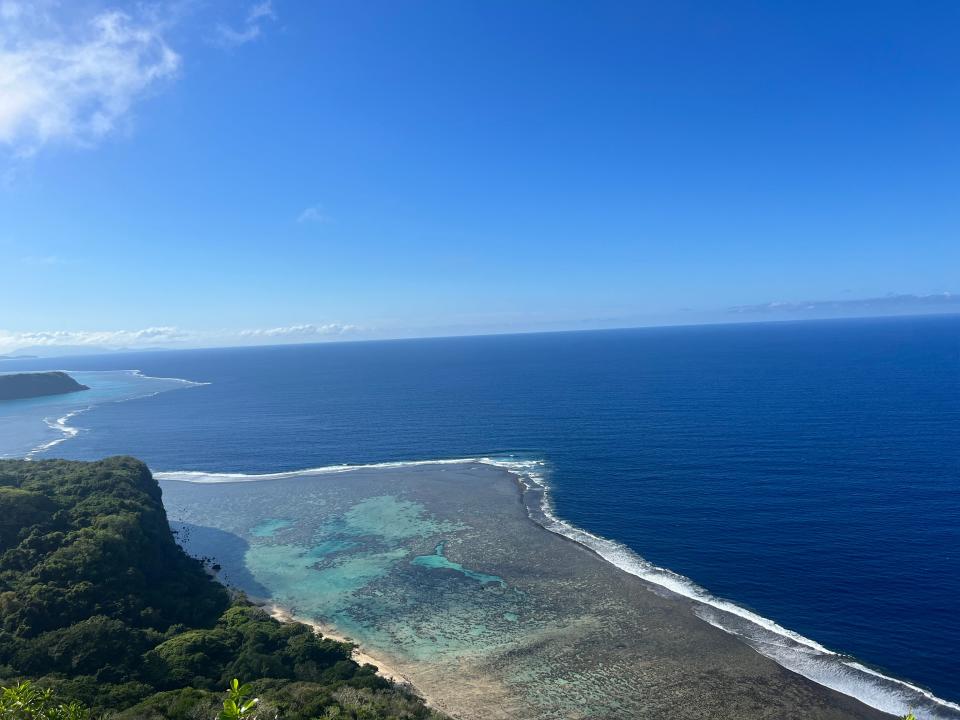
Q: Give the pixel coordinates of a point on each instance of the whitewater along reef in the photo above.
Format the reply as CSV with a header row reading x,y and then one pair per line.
x,y
438,569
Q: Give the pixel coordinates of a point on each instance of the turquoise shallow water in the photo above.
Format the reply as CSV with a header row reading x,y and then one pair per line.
x,y
358,554
438,561
439,569
35,426
270,527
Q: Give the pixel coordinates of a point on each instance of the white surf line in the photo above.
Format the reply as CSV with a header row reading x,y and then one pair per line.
x,y
69,431
139,374
59,424
134,372
789,649
211,478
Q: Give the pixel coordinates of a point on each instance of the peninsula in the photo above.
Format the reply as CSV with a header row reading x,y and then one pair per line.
x,y
17,386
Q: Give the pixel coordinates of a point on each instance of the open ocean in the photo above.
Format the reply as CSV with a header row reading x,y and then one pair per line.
x,y
808,472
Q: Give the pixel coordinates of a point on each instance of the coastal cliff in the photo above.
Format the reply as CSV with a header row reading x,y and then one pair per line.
x,y
100,604
19,386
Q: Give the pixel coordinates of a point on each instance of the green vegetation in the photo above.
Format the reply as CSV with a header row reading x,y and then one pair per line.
x,y
27,385
99,605
238,704
24,701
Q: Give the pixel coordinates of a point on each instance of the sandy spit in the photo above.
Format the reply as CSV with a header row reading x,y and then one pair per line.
x,y
385,669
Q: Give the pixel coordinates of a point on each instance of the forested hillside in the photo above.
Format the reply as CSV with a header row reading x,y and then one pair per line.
x,y
37,384
98,602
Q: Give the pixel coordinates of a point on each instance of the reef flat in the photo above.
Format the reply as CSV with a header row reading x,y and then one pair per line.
x,y
438,569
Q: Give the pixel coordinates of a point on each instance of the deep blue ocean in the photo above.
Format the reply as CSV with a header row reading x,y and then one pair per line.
x,y
808,471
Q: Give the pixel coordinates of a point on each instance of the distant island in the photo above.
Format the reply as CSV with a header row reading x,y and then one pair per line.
x,y
28,385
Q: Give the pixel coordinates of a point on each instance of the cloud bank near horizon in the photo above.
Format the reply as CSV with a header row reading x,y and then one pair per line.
x,y
171,337
894,303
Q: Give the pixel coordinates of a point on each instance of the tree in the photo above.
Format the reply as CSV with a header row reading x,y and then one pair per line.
x,y
23,701
237,706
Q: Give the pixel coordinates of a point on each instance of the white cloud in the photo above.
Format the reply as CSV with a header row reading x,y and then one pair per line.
x,y
166,336
894,303
75,82
312,214
102,338
261,10
301,331
251,28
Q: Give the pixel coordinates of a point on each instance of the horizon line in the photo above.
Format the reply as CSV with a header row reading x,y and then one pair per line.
x,y
10,356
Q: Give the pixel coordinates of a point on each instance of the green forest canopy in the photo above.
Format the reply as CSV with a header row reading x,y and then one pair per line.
x,y
99,603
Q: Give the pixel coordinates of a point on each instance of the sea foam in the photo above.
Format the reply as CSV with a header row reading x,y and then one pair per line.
x,y
62,424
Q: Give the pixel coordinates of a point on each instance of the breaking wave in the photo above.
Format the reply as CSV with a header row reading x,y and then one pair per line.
x,y
62,425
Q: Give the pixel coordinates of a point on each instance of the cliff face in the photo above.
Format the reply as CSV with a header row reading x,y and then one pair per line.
x,y
81,540
99,603
28,385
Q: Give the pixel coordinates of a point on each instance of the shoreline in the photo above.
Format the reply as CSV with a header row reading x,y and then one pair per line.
x,y
58,420
534,496
360,655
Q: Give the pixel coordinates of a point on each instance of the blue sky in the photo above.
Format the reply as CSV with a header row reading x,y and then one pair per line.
x,y
219,173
